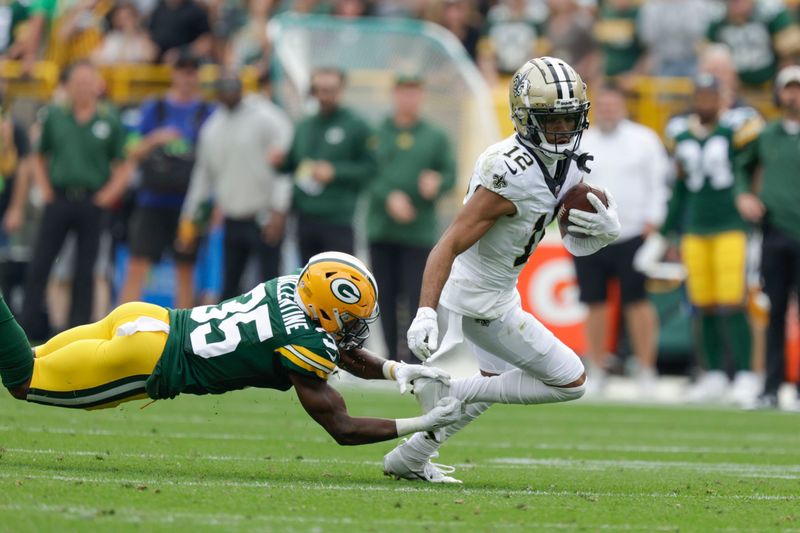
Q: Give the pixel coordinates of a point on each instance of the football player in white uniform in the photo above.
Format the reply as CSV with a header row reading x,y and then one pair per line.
x,y
469,285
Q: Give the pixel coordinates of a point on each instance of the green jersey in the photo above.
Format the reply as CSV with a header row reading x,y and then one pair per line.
x,y
253,340
777,152
616,32
705,192
753,44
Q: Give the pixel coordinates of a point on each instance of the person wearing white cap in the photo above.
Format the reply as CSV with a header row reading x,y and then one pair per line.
x,y
772,198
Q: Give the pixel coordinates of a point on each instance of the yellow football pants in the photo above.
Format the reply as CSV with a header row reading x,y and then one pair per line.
x,y
716,266
102,364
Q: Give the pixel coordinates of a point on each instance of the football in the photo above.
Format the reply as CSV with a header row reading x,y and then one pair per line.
x,y
575,198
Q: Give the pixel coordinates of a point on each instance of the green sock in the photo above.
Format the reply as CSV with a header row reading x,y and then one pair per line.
x,y
740,337
710,341
16,356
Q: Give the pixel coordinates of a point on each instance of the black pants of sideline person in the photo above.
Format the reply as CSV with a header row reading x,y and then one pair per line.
x,y
61,216
243,240
315,235
398,270
780,268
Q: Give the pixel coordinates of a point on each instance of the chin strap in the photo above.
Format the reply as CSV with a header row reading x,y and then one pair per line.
x,y
581,159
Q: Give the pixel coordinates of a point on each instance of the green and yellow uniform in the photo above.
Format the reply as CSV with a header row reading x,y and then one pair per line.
x,y
340,138
84,163
617,34
140,350
714,240
403,154
754,44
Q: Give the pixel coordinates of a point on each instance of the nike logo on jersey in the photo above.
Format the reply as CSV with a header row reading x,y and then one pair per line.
x,y
509,168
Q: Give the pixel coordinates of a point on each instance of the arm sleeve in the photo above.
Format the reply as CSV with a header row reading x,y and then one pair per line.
x,y
282,128
446,166
745,163
281,194
45,144
117,144
291,160
314,361
675,207
147,118
657,182
201,182
362,165
21,141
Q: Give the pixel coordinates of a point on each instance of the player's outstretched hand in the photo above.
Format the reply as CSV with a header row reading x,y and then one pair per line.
x,y
423,334
405,374
604,223
447,411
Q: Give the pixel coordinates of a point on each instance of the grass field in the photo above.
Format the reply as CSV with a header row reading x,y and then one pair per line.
x,y
253,460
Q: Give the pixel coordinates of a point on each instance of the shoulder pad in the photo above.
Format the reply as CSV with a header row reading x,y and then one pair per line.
x,y
676,126
766,10
496,170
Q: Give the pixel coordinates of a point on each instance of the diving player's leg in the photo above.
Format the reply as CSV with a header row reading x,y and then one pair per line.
x,y
545,369
106,370
16,356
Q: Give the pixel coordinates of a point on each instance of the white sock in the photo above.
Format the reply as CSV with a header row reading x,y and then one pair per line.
x,y
514,386
421,447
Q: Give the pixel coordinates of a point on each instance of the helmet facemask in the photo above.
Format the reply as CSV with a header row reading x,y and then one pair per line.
x,y
563,127
354,331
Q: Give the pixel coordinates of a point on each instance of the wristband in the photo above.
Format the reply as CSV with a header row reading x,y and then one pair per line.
x,y
406,426
389,368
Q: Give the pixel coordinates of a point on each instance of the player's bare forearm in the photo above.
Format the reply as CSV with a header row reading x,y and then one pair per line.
x,y
437,270
361,363
325,405
472,222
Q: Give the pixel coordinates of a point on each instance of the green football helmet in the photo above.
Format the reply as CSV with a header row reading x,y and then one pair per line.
x,y
544,92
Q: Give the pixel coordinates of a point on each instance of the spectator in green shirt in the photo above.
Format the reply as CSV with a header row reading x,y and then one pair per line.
x,y
774,202
415,168
80,170
760,33
331,163
616,33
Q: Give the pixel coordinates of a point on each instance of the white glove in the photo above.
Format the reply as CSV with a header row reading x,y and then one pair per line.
x,y
446,411
423,334
604,224
650,252
405,374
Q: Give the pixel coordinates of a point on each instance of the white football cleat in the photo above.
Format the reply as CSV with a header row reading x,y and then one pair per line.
x,y
710,388
428,392
746,387
397,464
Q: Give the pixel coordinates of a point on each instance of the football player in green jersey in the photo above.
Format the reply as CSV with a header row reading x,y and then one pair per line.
x,y
708,146
291,331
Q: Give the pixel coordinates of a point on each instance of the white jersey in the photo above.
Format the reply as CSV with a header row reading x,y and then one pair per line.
x,y
482,283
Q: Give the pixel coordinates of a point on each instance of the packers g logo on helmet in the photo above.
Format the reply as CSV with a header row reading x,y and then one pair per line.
x,y
345,290
340,293
543,92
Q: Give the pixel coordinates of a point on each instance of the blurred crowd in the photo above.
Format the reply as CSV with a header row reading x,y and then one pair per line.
x,y
186,170
599,37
